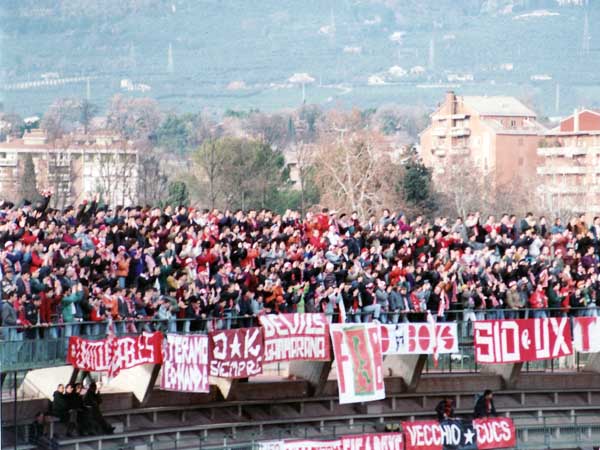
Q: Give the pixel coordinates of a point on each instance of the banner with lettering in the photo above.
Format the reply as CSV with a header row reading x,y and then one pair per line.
x,y
375,441
295,337
512,341
586,334
114,354
185,363
236,353
358,361
419,338
271,445
496,432
313,445
452,434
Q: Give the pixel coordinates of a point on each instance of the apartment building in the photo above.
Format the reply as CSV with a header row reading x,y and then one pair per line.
x,y
498,135
569,169
74,167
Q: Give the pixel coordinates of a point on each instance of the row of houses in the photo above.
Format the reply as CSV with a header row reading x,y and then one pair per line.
x,y
497,137
502,139
73,167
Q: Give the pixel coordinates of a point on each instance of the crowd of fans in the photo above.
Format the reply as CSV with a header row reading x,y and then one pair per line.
x,y
190,270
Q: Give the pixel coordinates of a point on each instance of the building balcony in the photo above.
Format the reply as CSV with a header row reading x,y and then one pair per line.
x,y
460,131
439,151
568,152
459,151
439,131
564,170
565,189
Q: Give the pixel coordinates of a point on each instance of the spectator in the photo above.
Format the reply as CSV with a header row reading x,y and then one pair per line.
x,y
192,270
59,404
484,406
38,433
92,400
445,409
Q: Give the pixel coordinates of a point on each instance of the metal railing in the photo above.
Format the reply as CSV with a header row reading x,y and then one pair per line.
x,y
584,430
46,346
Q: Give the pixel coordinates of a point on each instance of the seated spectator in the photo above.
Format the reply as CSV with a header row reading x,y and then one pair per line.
x,y
38,433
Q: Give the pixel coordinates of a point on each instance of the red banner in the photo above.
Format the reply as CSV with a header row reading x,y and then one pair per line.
x,y
586,334
456,434
496,432
295,337
114,354
419,338
313,445
185,364
381,441
358,361
376,441
236,353
427,435
511,341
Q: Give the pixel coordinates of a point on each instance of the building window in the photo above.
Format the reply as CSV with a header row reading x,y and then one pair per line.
x,y
513,123
2,155
521,161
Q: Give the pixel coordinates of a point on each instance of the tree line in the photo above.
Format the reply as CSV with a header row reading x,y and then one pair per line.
x,y
353,160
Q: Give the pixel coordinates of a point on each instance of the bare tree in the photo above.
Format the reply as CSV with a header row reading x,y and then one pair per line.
x,y
210,160
302,164
115,173
273,130
354,169
133,118
153,181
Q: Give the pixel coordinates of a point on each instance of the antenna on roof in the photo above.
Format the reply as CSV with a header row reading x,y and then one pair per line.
x,y
88,89
170,65
585,45
431,60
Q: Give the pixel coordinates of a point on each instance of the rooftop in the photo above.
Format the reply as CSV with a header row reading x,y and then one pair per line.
x,y
529,127
498,106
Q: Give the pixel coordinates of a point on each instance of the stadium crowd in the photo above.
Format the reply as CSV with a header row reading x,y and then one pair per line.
x,y
189,270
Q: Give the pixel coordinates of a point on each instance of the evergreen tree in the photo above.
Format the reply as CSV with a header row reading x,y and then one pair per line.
x,y
417,185
27,181
178,194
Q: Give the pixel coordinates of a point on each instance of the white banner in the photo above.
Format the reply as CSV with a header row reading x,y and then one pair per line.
x,y
358,361
271,445
295,337
313,445
185,363
419,338
586,334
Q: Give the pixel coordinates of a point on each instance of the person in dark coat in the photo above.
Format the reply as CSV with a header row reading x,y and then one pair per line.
x,y
38,433
445,409
59,404
92,401
72,400
484,407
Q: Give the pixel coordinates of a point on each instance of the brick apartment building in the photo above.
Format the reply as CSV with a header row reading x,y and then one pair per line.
x,y
498,135
569,170
73,167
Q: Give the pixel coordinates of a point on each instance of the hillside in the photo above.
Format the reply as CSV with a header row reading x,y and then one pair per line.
x,y
240,54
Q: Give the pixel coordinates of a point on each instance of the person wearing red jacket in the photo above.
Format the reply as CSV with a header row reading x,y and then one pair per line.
x,y
538,302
